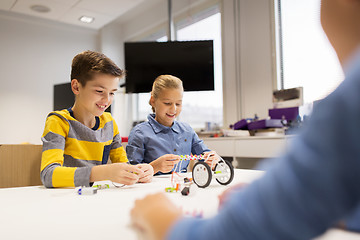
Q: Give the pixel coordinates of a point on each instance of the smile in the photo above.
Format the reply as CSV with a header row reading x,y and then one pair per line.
x,y
101,106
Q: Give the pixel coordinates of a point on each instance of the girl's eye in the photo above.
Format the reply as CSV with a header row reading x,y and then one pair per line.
x,y
98,91
178,104
112,94
167,103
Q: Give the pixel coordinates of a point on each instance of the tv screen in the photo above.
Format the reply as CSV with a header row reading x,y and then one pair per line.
x,y
64,97
191,61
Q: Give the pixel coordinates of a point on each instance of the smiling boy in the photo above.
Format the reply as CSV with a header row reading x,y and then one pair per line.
x,y
78,141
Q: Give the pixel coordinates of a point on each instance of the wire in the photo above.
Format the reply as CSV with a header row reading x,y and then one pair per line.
x,y
118,186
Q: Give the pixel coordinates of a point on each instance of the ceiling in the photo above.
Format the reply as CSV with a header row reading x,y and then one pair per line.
x,y
69,11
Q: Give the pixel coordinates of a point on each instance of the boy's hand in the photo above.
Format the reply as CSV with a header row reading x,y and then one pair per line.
x,y
211,158
148,173
122,173
165,163
154,215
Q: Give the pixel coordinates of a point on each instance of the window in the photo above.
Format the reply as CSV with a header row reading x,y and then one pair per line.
x,y
199,107
305,56
203,106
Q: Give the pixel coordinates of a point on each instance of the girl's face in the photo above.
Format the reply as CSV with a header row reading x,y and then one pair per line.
x,y
167,106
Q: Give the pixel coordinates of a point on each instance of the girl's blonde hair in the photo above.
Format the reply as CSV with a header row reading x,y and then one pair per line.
x,y
165,82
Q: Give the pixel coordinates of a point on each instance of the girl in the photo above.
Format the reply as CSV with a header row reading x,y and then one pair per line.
x,y
161,140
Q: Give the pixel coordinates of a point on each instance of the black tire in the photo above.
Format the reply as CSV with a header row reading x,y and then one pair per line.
x,y
229,169
201,174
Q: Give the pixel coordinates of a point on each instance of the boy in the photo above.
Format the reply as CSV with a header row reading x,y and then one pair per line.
x,y
78,141
311,187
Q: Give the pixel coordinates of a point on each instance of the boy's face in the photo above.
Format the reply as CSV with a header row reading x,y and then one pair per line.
x,y
329,20
98,94
167,106
340,21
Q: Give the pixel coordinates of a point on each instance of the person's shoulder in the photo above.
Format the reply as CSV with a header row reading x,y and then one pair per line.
x,y
140,127
59,115
58,122
141,132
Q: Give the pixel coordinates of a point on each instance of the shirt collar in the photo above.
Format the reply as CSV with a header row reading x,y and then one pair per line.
x,y
157,127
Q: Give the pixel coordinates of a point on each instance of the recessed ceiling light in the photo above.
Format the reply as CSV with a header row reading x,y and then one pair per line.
x,y
86,19
40,8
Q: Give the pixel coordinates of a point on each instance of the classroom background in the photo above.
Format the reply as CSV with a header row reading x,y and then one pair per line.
x,y
259,47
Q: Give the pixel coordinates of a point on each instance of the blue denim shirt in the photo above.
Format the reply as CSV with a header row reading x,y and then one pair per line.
x,y
150,140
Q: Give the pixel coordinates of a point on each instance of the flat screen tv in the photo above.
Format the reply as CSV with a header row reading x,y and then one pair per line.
x,y
191,61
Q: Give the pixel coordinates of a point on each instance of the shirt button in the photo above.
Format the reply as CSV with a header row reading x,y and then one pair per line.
x,y
174,149
185,140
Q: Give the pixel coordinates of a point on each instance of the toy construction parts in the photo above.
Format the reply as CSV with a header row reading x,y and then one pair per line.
x,y
179,183
202,173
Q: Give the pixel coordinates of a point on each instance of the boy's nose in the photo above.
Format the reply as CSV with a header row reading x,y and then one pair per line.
x,y
107,97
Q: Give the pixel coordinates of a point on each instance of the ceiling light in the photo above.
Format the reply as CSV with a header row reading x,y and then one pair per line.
x,y
86,19
40,8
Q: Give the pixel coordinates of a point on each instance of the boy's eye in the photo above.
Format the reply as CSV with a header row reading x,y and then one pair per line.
x,y
178,104
98,91
167,103
112,94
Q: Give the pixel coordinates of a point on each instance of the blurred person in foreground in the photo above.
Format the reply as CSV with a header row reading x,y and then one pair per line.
x,y
311,187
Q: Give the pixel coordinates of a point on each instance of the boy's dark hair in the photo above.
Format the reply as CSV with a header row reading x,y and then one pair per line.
x,y
86,64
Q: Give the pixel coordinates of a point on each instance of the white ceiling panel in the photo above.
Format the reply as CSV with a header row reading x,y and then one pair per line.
x,y
69,11
56,9
72,16
68,2
6,4
109,7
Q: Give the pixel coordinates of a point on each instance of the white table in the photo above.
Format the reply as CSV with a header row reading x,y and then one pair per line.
x,y
39,213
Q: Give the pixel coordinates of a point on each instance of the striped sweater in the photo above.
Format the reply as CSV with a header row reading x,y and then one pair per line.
x,y
70,149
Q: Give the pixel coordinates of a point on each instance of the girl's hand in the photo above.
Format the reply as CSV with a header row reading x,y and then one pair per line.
x,y
153,216
211,158
165,163
148,173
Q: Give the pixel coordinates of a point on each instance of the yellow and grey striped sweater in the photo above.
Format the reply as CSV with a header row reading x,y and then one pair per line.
x,y
70,149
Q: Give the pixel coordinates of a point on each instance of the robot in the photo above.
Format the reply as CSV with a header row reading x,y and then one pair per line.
x,y
202,173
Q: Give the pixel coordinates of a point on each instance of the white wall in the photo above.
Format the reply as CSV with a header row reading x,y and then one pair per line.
x,y
35,54
112,45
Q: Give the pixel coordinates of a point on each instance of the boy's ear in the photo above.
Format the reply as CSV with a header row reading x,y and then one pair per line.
x,y
75,85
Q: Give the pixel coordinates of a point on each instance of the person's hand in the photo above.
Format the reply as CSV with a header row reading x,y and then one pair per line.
x,y
148,173
211,158
122,173
165,163
154,215
224,196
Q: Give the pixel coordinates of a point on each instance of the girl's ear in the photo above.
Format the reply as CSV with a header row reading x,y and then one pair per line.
x,y
152,101
75,85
